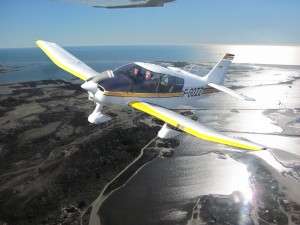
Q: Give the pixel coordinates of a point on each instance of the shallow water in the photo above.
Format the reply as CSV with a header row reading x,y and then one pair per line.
x,y
166,190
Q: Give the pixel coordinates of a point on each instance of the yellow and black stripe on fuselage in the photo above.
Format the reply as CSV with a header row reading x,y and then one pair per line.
x,y
143,95
209,91
168,100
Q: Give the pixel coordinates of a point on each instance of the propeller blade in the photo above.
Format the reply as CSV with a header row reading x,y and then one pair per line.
x,y
90,86
102,76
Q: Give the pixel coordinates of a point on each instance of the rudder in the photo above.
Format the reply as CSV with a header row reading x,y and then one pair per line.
x,y
218,73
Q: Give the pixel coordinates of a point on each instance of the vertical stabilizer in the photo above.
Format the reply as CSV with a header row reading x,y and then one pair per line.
x,y
218,73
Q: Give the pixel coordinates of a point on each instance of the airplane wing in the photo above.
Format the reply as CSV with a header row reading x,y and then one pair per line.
x,y
230,92
66,61
133,4
192,127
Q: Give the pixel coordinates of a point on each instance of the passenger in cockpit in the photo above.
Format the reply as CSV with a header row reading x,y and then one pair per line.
x,y
148,84
148,75
136,75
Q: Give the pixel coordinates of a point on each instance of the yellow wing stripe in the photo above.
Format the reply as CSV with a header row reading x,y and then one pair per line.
x,y
79,75
218,140
152,112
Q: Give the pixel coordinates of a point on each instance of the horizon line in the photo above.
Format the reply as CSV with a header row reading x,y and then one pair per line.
x,y
190,44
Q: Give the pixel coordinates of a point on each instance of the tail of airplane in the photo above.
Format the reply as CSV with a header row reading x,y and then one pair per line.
x,y
218,73
215,78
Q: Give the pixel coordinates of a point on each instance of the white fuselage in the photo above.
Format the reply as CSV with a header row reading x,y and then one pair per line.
x,y
192,90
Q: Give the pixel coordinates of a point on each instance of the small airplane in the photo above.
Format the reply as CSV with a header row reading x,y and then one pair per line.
x,y
153,89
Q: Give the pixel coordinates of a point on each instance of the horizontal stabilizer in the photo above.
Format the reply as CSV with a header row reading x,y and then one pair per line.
x,y
192,127
66,61
230,92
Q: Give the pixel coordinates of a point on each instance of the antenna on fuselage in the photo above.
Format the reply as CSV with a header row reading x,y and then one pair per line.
x,y
192,66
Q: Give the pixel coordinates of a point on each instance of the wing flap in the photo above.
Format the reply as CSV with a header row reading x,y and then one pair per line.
x,y
192,127
66,61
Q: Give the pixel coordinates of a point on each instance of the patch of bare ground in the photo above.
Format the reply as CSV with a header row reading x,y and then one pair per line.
x,y
53,163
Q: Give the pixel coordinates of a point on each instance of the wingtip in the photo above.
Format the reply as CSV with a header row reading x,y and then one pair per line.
x,y
38,42
260,147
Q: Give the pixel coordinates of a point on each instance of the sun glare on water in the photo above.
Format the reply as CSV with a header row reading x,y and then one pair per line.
x,y
263,54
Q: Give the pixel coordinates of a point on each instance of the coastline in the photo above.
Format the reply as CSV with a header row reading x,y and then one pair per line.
x,y
148,153
49,151
118,182
50,154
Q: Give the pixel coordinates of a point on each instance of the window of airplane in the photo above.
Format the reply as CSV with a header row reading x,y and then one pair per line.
x,y
126,70
147,81
160,83
170,84
132,71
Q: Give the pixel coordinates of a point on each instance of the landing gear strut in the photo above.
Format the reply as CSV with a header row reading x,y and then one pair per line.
x,y
97,117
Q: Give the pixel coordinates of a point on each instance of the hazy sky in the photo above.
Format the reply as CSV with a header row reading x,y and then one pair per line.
x,y
266,22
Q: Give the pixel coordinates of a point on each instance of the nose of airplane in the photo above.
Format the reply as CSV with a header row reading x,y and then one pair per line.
x,y
90,86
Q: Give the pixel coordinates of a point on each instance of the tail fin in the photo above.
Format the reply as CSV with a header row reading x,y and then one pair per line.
x,y
218,73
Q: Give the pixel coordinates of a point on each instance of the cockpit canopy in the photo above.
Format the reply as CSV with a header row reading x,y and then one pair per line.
x,y
137,78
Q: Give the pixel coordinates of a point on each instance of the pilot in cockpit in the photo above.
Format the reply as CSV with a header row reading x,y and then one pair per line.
x,y
148,75
136,75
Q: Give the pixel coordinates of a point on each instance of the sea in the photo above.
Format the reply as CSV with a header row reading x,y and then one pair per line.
x,y
167,189
31,64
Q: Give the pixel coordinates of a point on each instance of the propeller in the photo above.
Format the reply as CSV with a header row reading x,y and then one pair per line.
x,y
102,76
91,84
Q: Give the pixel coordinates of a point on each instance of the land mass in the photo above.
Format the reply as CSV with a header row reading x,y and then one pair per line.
x,y
53,162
